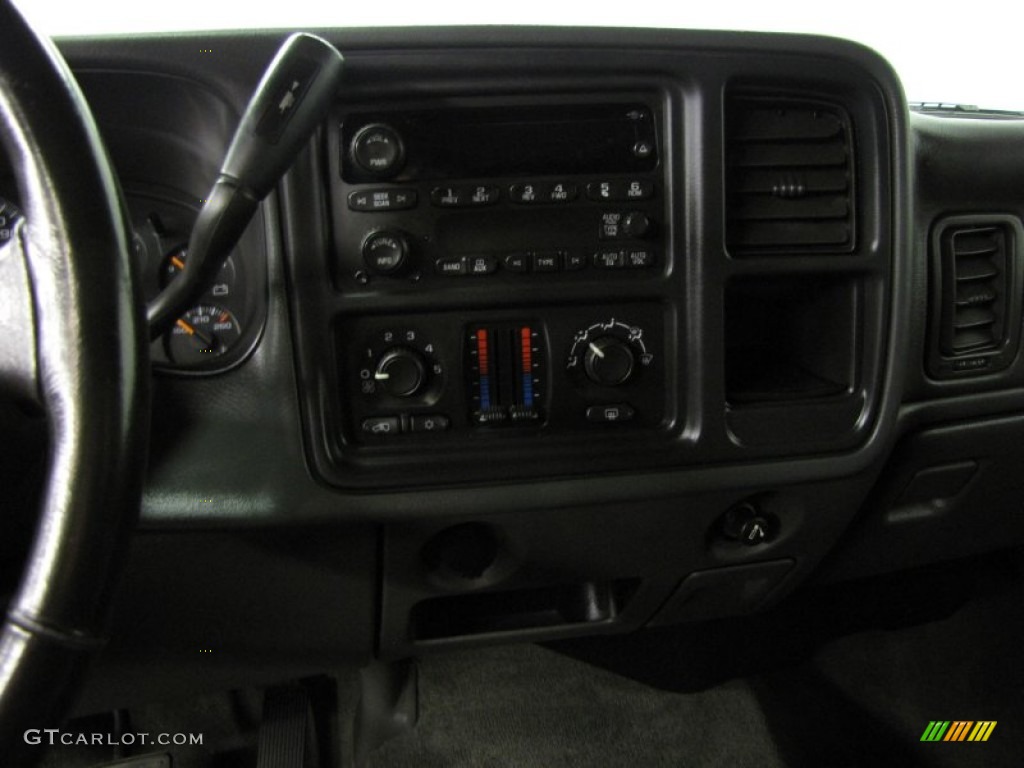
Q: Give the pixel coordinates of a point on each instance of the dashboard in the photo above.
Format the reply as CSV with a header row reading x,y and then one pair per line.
x,y
559,332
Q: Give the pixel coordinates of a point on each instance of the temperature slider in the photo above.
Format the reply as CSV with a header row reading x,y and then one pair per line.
x,y
505,364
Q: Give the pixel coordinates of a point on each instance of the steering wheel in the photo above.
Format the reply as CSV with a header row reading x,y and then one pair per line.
x,y
72,338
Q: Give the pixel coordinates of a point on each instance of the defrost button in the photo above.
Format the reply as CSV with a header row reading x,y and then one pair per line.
x,y
434,422
610,414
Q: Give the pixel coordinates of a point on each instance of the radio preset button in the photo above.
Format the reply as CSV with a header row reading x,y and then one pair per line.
x,y
529,193
562,193
640,189
632,189
454,266
482,195
604,190
534,193
377,149
448,197
385,199
464,196
547,261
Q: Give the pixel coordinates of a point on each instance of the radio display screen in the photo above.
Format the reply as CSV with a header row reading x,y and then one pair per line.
x,y
555,139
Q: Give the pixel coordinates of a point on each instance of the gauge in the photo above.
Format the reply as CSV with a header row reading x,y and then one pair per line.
x,y
9,215
204,332
174,262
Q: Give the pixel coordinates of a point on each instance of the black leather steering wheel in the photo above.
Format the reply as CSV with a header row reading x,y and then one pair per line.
x,y
73,338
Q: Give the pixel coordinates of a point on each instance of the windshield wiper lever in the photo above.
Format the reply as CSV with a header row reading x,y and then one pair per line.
x,y
290,101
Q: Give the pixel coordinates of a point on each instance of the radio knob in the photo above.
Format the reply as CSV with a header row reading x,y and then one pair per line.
x,y
400,372
636,224
386,252
378,149
609,361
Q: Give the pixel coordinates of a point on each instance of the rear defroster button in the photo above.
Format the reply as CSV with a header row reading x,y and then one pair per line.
x,y
610,414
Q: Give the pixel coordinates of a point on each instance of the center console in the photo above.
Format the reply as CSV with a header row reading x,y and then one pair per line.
x,y
564,276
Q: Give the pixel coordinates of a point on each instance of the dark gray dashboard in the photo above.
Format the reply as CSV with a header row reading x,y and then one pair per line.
x,y
782,371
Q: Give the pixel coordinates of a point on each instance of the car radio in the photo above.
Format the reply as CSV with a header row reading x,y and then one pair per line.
x,y
477,213
521,193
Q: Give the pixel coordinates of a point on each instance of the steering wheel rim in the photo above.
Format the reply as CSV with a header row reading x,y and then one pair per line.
x,y
89,369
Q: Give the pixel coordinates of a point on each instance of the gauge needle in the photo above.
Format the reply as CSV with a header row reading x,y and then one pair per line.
x,y
177,262
191,330
596,350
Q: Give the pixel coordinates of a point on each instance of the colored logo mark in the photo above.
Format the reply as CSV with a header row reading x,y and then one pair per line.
x,y
958,730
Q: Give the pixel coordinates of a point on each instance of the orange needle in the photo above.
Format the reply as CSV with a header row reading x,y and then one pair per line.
x,y
177,262
191,330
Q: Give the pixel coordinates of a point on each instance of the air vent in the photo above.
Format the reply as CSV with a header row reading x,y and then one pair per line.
x,y
976,289
789,183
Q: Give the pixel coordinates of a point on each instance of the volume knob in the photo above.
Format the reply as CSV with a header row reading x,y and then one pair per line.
x,y
609,361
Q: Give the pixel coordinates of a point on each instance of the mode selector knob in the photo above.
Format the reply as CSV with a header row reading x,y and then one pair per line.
x,y
400,372
609,361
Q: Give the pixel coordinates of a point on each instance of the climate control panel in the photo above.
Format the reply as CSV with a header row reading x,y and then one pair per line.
x,y
453,375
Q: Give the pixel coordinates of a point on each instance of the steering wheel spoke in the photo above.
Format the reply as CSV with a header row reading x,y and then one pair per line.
x,y
18,367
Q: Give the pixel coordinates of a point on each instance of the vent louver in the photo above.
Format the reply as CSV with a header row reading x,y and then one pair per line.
x,y
789,182
975,288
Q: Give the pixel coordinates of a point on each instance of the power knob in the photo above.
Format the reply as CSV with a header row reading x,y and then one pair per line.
x,y
400,372
609,361
378,150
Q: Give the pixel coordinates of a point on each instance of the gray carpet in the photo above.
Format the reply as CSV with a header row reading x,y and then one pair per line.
x,y
529,706
796,696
